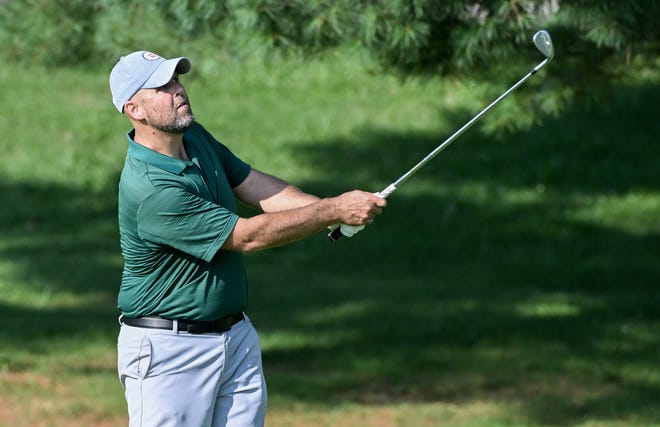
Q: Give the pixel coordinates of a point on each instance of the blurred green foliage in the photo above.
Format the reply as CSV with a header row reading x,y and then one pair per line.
x,y
411,34
597,42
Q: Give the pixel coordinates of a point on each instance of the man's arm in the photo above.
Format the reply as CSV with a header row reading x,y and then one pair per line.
x,y
290,214
270,194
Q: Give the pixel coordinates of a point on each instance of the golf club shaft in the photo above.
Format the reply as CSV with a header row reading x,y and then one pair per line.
x,y
456,134
336,233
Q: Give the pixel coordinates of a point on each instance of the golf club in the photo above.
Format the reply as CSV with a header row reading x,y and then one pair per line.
x,y
543,43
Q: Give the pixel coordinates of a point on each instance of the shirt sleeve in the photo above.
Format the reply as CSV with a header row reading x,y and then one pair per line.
x,y
183,220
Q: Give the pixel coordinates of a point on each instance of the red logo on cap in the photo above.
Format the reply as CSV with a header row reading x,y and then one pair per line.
x,y
149,56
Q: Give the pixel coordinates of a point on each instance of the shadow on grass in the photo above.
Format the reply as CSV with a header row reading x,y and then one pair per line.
x,y
460,293
60,263
457,293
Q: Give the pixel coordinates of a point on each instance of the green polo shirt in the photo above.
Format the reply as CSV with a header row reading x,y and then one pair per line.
x,y
174,216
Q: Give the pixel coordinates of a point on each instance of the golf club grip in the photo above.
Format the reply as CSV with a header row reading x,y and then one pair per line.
x,y
335,234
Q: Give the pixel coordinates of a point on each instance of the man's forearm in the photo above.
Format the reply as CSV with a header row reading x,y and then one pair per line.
x,y
281,227
271,194
290,197
290,214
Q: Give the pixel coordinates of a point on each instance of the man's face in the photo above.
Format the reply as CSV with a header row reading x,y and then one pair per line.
x,y
166,108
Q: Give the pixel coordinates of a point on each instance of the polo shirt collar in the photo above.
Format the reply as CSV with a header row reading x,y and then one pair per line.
x,y
147,155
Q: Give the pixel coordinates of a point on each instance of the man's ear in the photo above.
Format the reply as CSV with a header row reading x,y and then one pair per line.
x,y
133,110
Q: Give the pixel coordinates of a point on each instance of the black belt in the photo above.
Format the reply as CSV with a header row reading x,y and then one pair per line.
x,y
191,326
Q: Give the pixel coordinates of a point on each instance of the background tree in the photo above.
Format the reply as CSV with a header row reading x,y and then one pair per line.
x,y
598,42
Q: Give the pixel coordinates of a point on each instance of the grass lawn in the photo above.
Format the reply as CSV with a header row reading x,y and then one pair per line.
x,y
512,282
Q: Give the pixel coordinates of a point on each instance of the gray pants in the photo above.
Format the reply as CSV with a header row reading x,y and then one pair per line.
x,y
199,380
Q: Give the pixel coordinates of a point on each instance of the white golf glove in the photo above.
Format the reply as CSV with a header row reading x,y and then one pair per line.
x,y
347,230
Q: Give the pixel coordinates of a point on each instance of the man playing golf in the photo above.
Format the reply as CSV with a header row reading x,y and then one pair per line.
x,y
187,352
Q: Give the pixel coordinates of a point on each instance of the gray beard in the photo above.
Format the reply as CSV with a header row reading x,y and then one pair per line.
x,y
178,126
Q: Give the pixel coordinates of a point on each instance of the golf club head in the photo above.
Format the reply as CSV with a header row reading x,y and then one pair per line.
x,y
543,43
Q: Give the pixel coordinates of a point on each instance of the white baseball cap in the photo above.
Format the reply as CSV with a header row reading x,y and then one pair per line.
x,y
142,70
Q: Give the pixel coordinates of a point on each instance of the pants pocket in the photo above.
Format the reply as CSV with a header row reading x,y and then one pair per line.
x,y
133,357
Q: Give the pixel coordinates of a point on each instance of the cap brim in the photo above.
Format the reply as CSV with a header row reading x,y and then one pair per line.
x,y
166,70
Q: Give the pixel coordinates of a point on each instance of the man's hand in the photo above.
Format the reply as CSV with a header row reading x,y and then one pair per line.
x,y
358,207
361,207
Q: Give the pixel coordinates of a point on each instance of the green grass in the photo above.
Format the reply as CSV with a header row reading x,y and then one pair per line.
x,y
512,282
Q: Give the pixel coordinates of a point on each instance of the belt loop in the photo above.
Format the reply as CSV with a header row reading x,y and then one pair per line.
x,y
120,319
175,326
